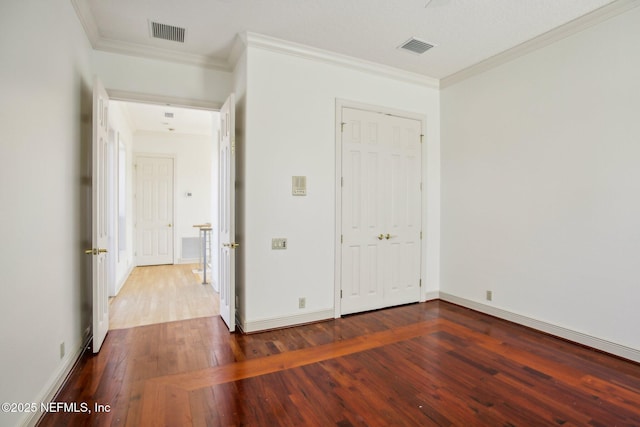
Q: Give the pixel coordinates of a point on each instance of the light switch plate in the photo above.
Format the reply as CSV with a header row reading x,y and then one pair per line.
x,y
299,185
279,243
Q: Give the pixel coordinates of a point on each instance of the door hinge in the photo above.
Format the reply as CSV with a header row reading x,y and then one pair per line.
x,y
420,234
420,282
341,181
341,238
421,139
420,186
340,293
342,126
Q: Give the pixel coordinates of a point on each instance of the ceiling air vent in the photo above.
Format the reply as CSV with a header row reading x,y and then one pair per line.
x,y
167,32
415,46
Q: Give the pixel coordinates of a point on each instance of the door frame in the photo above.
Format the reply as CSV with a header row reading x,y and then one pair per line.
x,y
135,156
127,96
343,103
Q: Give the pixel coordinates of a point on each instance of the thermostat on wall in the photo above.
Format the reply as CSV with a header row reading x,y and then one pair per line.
x,y
299,186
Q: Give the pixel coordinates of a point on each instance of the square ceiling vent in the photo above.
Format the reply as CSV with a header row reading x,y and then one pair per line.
x,y
416,46
167,32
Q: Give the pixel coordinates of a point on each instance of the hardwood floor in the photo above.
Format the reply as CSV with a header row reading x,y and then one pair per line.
x,y
162,293
423,364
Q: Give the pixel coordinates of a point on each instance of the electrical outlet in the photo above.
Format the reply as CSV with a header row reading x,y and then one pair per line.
x,y
62,350
302,302
489,295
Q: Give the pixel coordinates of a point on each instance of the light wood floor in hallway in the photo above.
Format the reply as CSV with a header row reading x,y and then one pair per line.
x,y
163,293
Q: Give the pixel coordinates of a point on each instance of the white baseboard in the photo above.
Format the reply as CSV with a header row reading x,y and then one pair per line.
x,y
55,383
430,296
124,278
568,334
282,322
188,261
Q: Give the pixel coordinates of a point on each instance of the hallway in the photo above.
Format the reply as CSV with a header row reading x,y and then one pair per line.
x,y
162,293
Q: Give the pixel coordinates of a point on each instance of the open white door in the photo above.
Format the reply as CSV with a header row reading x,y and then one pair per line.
x,y
226,218
99,215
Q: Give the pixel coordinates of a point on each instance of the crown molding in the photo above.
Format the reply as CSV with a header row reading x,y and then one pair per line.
x,y
153,52
249,39
572,27
98,42
86,19
238,48
307,52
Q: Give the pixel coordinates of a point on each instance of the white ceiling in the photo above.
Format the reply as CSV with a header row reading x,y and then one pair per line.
x,y
465,32
152,118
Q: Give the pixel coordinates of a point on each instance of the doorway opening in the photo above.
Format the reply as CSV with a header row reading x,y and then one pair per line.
x,y
164,181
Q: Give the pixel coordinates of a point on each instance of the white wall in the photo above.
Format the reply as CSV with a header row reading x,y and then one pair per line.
x,y
290,130
540,184
193,172
161,78
45,189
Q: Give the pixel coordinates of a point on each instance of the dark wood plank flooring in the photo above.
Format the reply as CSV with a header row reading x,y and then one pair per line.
x,y
418,365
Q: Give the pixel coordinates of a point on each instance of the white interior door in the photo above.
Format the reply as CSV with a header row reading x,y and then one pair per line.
x,y
403,210
226,217
381,210
362,208
99,215
154,210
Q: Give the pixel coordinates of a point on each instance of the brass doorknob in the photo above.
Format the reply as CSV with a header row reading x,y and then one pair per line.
x,y
388,236
169,225
380,236
95,251
231,245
